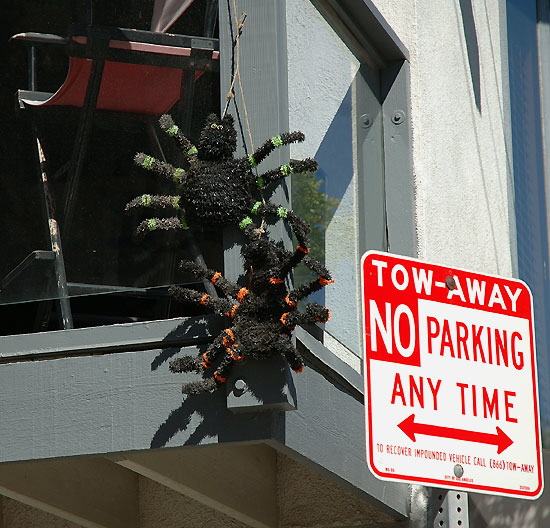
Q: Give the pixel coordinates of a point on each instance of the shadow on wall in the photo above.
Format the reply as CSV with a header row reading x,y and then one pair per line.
x,y
499,512
206,415
472,47
488,511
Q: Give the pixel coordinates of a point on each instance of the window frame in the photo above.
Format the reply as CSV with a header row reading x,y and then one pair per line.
x,y
352,21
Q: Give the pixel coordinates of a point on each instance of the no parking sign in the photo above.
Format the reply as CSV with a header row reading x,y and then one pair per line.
x,y
450,378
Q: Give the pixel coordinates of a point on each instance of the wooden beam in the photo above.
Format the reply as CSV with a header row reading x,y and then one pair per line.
x,y
238,480
91,492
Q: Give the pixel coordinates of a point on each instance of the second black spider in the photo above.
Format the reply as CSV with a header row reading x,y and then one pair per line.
x,y
261,315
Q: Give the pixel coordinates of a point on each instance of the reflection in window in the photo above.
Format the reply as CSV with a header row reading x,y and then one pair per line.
x,y
112,277
327,107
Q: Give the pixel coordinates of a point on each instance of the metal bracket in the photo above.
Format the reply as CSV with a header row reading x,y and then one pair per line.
x,y
450,508
263,385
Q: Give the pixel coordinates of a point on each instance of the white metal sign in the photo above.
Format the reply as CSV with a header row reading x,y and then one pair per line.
x,y
450,378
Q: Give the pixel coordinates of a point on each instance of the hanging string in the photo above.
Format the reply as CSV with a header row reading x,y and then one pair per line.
x,y
236,74
234,57
236,78
240,26
234,70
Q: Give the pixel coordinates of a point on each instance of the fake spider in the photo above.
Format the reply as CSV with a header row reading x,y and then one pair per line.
x,y
262,316
217,189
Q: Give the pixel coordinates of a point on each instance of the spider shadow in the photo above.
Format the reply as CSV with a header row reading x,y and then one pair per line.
x,y
197,417
193,332
198,413
227,414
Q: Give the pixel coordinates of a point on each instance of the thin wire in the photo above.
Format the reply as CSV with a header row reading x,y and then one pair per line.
x,y
234,59
231,94
236,77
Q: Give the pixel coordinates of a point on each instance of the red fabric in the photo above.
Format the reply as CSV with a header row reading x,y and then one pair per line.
x,y
125,87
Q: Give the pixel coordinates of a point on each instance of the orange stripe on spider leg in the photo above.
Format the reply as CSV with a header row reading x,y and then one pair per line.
x,y
243,292
227,341
290,302
299,369
302,249
221,379
204,299
284,318
215,277
275,280
206,363
324,282
233,311
231,352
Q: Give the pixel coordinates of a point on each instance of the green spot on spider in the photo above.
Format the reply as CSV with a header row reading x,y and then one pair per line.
x,y
176,202
146,200
252,161
178,173
193,150
277,141
245,222
286,170
173,130
255,208
147,162
183,223
151,224
261,183
282,212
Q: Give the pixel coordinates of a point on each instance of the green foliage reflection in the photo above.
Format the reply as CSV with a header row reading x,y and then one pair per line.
x,y
317,208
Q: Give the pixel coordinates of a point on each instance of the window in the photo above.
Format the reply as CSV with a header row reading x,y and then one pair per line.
x,y
338,104
111,276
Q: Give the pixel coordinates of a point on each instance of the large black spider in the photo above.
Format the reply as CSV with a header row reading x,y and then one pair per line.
x,y
217,189
262,315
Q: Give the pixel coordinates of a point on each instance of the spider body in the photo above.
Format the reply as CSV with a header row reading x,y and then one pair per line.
x,y
218,189
261,316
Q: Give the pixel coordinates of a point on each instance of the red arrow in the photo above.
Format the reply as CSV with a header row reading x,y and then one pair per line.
x,y
412,428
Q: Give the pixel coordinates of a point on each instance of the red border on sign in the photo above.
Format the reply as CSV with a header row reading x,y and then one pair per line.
x,y
409,297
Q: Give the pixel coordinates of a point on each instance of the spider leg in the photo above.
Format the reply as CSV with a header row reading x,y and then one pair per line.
x,y
154,201
201,362
284,346
186,364
167,124
292,261
314,313
299,227
224,368
221,306
317,267
160,224
196,387
306,289
270,145
215,277
293,357
192,364
167,171
307,165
